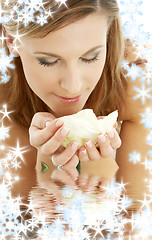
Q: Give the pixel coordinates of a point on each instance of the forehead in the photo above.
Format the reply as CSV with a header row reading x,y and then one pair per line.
x,y
83,35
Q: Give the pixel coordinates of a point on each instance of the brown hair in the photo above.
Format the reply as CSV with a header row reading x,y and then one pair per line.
x,y
111,88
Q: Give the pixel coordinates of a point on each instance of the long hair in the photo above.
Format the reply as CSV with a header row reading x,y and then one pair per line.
x,y
110,89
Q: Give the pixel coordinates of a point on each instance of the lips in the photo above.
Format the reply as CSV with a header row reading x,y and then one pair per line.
x,y
68,100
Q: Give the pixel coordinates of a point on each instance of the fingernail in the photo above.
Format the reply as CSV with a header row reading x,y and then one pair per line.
x,y
110,134
74,146
59,123
64,132
88,143
47,123
83,151
102,138
115,125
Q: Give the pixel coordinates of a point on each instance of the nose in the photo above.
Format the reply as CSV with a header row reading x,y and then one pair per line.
x,y
71,80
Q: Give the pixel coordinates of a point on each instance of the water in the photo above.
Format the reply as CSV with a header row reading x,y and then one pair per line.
x,y
103,201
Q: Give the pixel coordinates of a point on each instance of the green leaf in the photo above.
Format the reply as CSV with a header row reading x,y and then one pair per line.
x,y
78,167
44,167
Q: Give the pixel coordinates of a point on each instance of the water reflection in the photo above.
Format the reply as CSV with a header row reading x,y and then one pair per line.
x,y
100,205
76,199
101,202
52,183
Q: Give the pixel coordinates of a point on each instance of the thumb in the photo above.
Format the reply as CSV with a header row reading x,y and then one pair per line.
x,y
41,118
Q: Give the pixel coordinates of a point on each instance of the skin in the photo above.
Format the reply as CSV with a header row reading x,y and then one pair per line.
x,y
133,133
69,76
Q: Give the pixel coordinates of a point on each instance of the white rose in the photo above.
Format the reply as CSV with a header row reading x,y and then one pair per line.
x,y
85,125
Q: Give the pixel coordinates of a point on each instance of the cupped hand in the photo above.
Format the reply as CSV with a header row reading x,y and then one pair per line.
x,y
106,143
47,134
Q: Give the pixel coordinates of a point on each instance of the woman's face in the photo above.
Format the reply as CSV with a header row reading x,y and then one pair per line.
x,y
64,67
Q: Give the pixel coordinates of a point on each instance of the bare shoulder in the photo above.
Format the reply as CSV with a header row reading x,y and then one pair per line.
x,y
16,154
139,92
13,135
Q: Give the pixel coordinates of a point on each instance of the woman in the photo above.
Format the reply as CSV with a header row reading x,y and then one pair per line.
x,y
68,64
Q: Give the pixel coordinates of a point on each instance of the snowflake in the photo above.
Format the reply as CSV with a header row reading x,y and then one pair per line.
x,y
147,75
33,5
149,152
10,226
143,36
125,65
134,72
61,2
125,202
25,17
74,217
59,208
24,228
130,32
149,138
79,198
23,11
53,231
147,118
132,12
16,164
134,157
67,192
150,186
131,7
148,164
58,223
5,61
32,223
97,228
5,112
144,53
5,78
42,19
143,93
134,32
17,152
4,132
113,190
9,209
1,171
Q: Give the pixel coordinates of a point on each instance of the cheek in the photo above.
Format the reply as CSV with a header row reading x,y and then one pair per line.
x,y
34,74
96,71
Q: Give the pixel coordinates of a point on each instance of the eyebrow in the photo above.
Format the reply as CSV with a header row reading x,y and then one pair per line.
x,y
54,55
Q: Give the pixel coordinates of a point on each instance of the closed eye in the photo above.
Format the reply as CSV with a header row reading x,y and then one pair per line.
x,y
47,64
90,60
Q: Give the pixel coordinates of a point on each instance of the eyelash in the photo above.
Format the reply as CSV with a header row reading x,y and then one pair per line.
x,y
41,62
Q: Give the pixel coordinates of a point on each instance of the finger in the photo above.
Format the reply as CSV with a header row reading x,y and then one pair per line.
x,y
114,139
65,157
54,142
83,178
39,120
92,151
82,154
39,137
72,163
100,117
92,183
105,147
62,177
115,125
